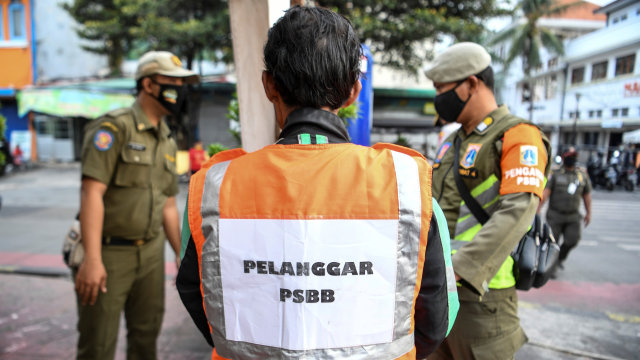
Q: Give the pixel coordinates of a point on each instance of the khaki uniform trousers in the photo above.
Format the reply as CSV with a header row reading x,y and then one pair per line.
x,y
567,231
135,284
484,330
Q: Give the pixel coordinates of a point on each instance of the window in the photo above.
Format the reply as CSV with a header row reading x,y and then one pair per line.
x,y
599,71
553,62
624,64
591,138
551,86
572,114
577,75
591,113
614,112
599,114
17,28
615,20
623,17
624,111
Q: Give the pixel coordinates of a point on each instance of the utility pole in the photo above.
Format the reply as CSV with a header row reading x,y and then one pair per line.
x,y
250,21
575,119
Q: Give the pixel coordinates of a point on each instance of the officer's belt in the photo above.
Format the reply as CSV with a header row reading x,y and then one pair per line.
x,y
118,241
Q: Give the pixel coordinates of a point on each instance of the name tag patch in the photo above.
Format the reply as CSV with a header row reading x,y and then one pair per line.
x,y
321,276
136,146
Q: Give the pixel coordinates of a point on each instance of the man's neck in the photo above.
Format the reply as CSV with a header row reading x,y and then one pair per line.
x,y
151,108
483,105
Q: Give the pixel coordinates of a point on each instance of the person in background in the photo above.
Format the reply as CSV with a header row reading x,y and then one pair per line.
x,y
197,156
501,160
128,207
315,247
565,190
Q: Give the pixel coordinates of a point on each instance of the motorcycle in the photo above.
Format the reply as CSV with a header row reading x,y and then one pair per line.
x,y
606,176
628,178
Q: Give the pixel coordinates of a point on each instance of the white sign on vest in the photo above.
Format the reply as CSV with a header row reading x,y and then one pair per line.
x,y
309,284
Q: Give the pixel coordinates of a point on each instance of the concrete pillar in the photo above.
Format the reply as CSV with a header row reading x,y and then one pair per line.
x,y
250,22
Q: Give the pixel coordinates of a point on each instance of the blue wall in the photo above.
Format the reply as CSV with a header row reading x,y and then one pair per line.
x,y
9,109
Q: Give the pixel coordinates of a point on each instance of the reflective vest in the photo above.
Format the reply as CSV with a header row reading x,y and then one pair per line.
x,y
312,251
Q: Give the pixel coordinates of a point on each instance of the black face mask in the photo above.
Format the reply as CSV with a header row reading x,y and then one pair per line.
x,y
570,161
449,105
171,97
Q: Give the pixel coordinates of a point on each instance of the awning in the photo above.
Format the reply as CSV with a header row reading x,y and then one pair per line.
x,y
631,137
89,100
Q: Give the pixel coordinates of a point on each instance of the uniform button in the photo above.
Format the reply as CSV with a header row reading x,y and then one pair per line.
x,y
136,158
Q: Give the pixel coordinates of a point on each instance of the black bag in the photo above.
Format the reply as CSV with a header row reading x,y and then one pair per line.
x,y
536,255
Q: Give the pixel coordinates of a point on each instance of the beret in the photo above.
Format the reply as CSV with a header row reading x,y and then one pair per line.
x,y
458,62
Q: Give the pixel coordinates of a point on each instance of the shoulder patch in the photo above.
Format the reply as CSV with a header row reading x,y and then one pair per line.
x,y
470,155
485,124
443,150
103,140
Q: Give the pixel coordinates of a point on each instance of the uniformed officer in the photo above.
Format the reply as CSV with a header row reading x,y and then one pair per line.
x,y
567,186
502,161
128,194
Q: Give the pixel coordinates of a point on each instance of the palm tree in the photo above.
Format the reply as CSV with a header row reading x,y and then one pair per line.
x,y
528,38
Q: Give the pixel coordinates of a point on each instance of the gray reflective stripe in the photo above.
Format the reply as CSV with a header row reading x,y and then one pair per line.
x,y
210,260
457,244
483,198
408,245
452,287
489,196
410,209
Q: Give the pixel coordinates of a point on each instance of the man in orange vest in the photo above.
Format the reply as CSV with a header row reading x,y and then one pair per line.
x,y
315,247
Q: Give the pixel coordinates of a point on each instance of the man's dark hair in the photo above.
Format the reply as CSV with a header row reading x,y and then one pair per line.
x,y
139,86
486,76
313,55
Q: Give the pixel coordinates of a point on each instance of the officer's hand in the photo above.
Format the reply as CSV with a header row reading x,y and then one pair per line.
x,y
91,277
587,219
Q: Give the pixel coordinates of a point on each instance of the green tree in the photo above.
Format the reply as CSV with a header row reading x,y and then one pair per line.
x,y
398,29
108,24
528,38
188,28
191,29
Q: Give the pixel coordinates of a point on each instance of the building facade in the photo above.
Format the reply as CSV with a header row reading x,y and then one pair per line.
x,y
587,97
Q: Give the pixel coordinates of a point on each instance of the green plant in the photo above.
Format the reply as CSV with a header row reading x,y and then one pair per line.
x,y
233,114
402,141
215,148
348,113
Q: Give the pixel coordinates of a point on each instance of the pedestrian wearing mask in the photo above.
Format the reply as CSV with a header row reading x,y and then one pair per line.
x,y
567,187
128,197
501,160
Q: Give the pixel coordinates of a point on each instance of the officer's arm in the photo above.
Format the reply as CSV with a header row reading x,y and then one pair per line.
x,y
478,261
91,275
545,197
188,284
432,305
171,224
521,186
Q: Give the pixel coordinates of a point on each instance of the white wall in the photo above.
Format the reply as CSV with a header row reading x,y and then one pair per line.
x,y
59,53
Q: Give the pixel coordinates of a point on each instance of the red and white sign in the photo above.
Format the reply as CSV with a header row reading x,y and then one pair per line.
x,y
632,89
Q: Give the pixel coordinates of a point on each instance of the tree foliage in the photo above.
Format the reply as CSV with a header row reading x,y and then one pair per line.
x,y
527,38
190,29
398,30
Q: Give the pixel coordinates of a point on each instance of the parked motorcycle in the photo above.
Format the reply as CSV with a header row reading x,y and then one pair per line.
x,y
628,178
604,176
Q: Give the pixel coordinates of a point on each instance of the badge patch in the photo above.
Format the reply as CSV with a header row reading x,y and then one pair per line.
x,y
528,155
103,140
136,146
470,155
443,150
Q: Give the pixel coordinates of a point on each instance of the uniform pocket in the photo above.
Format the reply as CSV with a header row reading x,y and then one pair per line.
x,y
500,348
134,168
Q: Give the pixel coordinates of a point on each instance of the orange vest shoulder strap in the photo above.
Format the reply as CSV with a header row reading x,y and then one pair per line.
x,y
398,148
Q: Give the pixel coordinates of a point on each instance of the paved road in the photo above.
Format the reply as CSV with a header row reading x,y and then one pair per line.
x,y
591,311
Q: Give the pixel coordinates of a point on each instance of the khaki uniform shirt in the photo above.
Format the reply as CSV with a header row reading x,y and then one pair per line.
x,y
137,162
481,156
567,190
